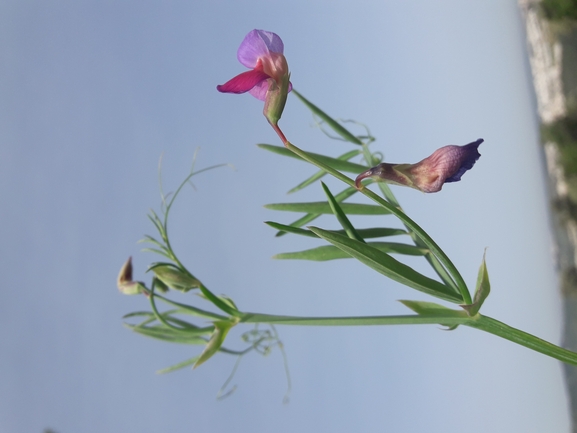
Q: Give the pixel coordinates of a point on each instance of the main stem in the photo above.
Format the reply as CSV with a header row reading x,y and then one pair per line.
x,y
483,323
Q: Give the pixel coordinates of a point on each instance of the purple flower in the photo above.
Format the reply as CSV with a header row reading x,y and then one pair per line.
x,y
446,164
268,79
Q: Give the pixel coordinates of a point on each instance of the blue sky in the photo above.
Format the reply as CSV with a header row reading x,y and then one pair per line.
x,y
92,93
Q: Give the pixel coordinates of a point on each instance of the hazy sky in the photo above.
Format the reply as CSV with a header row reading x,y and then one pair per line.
x,y
92,93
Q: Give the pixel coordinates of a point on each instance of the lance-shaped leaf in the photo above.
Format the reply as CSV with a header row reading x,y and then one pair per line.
x,y
167,316
337,163
161,332
228,301
319,174
388,266
221,328
335,126
178,366
174,277
331,252
323,207
423,308
343,195
153,217
430,309
376,232
223,303
482,290
190,310
341,216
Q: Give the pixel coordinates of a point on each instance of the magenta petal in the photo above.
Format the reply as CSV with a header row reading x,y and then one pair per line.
x,y
257,44
259,91
466,156
243,82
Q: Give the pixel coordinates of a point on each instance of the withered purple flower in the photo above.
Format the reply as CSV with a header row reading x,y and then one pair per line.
x,y
447,164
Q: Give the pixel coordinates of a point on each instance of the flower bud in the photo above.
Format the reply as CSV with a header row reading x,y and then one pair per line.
x,y
124,280
175,278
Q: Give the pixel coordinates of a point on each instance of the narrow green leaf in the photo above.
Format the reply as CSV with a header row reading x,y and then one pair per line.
x,y
157,223
178,311
189,330
341,216
178,366
379,232
331,252
318,254
152,240
218,302
323,207
388,266
319,174
300,222
336,163
337,127
190,310
221,328
482,290
157,251
228,301
431,309
179,322
343,195
167,315
138,313
147,322
291,229
168,334
376,232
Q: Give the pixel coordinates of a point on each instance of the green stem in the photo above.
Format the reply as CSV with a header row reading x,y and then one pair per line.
x,y
159,316
356,321
480,322
413,226
507,332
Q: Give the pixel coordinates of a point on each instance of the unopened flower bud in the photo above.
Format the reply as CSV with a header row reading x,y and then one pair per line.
x,y
124,280
175,278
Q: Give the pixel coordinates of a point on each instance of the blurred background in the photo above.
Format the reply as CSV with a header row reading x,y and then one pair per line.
x,y
93,93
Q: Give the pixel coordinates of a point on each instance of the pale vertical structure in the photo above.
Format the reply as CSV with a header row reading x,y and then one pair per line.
x,y
546,56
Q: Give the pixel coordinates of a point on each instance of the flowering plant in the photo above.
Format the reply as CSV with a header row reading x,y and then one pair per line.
x,y
268,80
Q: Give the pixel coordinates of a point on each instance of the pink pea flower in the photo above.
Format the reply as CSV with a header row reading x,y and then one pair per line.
x,y
446,164
268,79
